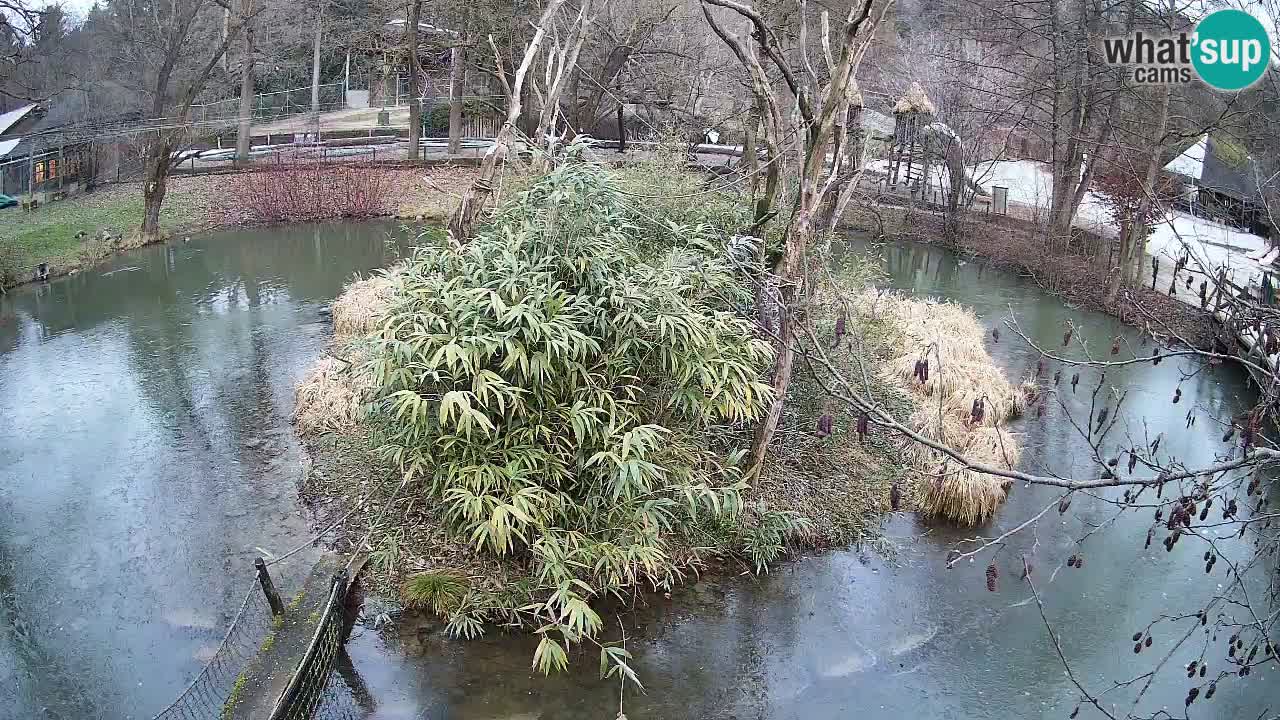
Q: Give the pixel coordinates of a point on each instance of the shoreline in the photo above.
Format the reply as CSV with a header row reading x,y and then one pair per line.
x,y
202,204
1078,280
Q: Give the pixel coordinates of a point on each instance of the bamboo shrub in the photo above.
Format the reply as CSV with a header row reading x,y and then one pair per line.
x,y
558,396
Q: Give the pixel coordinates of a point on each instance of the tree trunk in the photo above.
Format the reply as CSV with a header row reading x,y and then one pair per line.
x,y
790,275
457,82
477,197
789,278
154,186
1115,275
415,97
750,161
244,128
315,72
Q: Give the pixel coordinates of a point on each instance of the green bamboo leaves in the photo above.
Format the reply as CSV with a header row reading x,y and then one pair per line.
x,y
555,383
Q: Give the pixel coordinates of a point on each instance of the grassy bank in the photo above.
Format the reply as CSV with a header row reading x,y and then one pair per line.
x,y
80,231
77,233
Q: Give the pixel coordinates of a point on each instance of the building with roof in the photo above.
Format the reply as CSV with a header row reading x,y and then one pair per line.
x,y
37,159
1219,182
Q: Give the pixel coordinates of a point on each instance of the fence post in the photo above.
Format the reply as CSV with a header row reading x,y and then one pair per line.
x,y
268,587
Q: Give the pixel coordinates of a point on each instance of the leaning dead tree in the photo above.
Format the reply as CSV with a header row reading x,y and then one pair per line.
x,y
482,189
822,101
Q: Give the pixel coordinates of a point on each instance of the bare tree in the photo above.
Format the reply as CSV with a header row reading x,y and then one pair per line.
x,y
481,191
822,103
171,49
315,69
457,86
560,63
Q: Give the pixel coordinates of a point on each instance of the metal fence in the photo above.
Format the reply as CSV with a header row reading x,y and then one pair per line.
x,y
281,103
319,688
214,691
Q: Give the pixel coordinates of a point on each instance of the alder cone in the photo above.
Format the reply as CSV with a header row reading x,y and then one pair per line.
x,y
992,574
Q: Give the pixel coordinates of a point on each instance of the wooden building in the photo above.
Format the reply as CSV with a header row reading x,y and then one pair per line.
x,y
38,159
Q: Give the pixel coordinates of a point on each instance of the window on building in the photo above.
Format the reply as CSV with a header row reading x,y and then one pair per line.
x,y
40,171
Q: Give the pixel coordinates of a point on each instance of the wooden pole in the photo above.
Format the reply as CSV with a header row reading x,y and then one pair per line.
x,y
269,587
622,131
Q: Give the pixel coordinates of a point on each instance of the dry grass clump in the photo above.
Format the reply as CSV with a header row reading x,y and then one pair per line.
x,y
331,397
961,372
359,309
914,100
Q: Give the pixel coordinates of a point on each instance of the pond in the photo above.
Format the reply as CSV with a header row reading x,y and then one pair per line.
x,y
146,457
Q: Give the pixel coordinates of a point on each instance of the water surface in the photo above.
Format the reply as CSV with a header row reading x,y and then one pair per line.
x,y
146,457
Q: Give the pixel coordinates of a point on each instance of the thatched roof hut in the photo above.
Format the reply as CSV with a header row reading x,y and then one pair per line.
x,y
914,101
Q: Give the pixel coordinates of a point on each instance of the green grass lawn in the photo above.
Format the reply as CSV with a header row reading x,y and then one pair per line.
x,y
49,235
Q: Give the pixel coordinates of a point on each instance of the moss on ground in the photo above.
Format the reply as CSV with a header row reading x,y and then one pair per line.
x,y
233,699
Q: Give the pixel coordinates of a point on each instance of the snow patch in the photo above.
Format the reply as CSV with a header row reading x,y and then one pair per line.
x,y
1191,162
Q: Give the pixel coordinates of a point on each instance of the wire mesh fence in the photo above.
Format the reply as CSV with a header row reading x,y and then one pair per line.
x,y
214,690
274,104
324,686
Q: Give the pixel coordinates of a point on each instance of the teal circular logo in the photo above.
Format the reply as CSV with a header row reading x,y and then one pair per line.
x,y
1232,50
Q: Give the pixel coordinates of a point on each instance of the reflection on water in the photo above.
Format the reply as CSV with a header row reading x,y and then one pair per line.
x,y
146,457
847,634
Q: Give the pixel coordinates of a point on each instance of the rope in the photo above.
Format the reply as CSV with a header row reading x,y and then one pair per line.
x,y
323,531
363,541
